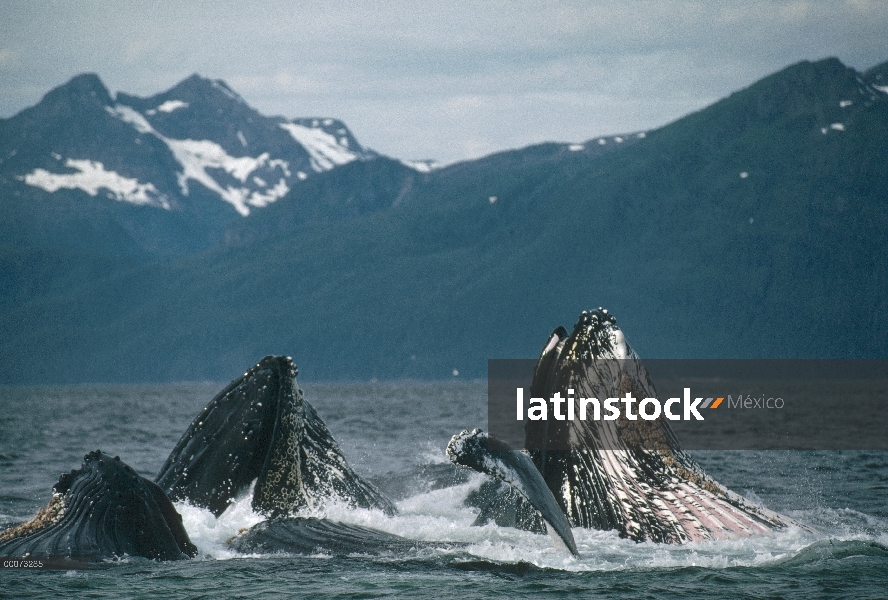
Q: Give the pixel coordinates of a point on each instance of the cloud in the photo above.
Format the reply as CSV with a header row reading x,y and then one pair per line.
x,y
6,58
441,80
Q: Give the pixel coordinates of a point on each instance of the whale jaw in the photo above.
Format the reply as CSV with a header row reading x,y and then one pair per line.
x,y
260,428
632,476
102,510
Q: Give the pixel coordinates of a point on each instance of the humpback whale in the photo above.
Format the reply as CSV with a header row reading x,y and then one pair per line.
x,y
102,510
632,476
259,432
308,535
260,428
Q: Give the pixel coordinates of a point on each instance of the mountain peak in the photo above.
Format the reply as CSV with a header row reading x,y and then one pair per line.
x,y
181,149
85,89
197,88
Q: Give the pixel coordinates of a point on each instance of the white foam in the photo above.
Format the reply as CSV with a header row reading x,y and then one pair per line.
x,y
93,177
441,516
433,454
210,534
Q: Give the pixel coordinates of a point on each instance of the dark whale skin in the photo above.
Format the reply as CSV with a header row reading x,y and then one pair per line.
x,y
100,511
260,428
310,535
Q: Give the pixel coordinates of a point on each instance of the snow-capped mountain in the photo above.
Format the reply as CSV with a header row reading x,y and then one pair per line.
x,y
756,227
198,137
171,173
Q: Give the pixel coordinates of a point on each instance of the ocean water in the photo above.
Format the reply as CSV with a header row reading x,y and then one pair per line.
x,y
395,435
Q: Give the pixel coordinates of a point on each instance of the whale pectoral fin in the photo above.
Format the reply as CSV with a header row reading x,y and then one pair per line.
x,y
481,452
103,510
497,501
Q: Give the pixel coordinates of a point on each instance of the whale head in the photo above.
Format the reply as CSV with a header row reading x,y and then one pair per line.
x,y
103,509
260,429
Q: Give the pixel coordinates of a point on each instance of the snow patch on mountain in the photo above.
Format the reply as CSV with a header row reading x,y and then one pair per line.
x,y
171,105
133,117
422,166
325,151
196,156
92,177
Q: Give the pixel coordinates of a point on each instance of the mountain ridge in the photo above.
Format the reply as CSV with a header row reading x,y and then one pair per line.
x,y
181,151
752,228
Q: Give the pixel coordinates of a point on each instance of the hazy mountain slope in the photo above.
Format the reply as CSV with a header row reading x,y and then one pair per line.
x,y
756,227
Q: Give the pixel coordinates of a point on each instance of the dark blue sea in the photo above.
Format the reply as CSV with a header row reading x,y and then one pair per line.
x,y
395,434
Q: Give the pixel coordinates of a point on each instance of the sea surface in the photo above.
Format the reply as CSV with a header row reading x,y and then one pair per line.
x,y
395,435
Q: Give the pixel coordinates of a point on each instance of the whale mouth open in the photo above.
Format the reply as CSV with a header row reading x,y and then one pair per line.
x,y
102,510
260,428
628,475
631,476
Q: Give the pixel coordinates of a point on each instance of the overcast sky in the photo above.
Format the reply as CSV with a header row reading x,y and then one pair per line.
x,y
445,80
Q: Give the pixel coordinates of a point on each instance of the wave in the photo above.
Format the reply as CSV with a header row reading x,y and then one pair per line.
x,y
440,515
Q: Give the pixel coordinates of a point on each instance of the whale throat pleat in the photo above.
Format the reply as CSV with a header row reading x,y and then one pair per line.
x,y
632,476
102,510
